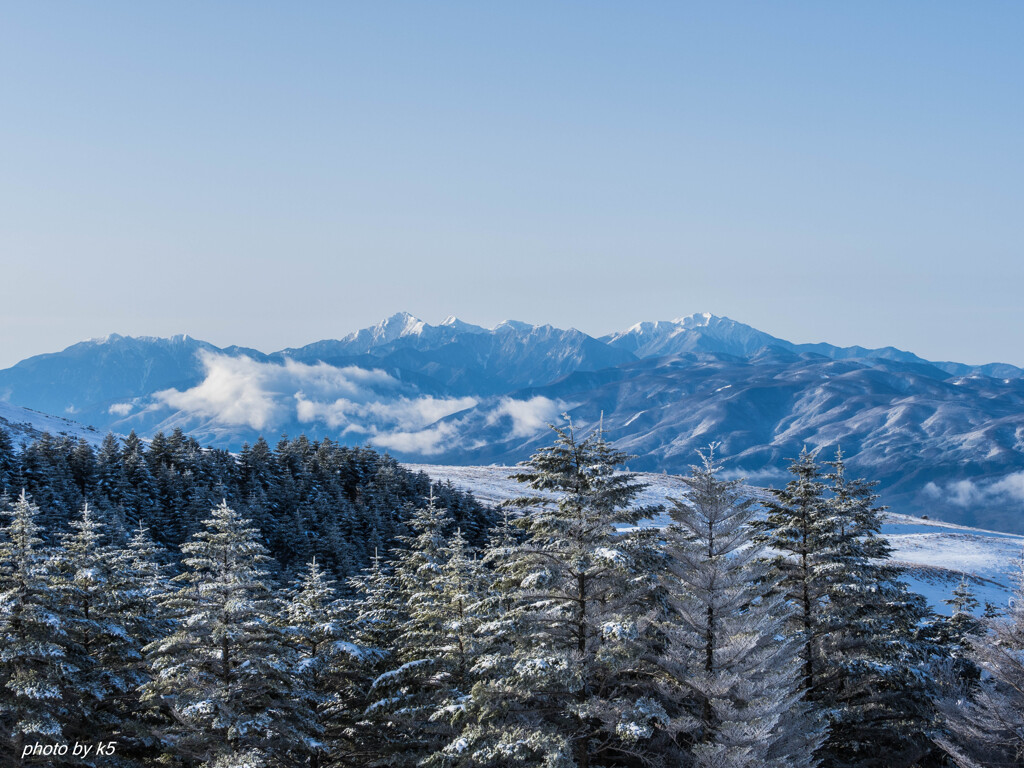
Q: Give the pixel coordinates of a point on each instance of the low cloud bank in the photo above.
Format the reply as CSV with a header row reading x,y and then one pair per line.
x,y
527,416
240,391
970,493
368,404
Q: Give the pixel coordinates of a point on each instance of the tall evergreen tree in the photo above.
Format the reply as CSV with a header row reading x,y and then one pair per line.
x,y
984,723
315,630
225,677
876,648
109,478
724,652
33,632
423,693
402,694
140,579
863,652
375,617
960,630
571,687
100,654
10,467
799,527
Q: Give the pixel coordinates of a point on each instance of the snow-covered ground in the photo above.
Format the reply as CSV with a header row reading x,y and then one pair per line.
x,y
24,424
936,554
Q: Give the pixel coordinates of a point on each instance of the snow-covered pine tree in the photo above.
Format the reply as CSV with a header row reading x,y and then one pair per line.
x,y
799,527
143,571
100,654
423,693
109,484
140,577
573,688
418,681
33,631
495,628
985,723
82,462
737,678
10,468
960,630
225,676
876,649
140,496
315,629
374,619
461,610
48,480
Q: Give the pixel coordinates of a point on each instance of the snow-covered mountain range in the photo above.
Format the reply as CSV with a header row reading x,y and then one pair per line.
x,y
943,438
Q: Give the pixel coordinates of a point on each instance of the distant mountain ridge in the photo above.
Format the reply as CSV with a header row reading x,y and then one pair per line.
x,y
941,436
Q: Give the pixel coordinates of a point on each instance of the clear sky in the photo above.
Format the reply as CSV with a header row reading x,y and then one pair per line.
x,y
270,174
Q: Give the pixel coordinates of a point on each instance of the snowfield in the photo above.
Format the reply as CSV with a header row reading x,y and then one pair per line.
x,y
26,425
936,554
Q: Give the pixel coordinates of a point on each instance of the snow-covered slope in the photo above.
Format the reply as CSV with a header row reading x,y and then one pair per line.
x,y
25,425
936,555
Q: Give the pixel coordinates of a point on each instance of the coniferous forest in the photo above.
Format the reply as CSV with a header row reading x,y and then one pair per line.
x,y
317,605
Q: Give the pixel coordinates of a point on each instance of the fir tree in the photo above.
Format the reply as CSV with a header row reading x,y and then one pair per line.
x,y
724,652
864,652
799,527
876,649
402,693
570,687
958,631
99,653
315,630
425,691
225,676
33,632
10,468
140,579
985,723
375,618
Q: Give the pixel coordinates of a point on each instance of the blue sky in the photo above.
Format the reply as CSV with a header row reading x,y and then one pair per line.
x,y
269,174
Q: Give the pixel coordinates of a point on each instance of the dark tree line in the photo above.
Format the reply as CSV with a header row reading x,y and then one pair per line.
x,y
308,499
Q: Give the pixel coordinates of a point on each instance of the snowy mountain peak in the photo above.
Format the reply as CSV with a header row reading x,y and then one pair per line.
x,y
389,329
462,327
702,332
400,324
699,320
108,339
117,338
664,328
513,325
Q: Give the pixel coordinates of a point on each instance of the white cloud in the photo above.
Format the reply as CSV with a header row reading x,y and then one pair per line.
x,y
963,493
428,442
528,416
968,493
241,391
236,391
1011,486
120,409
411,413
